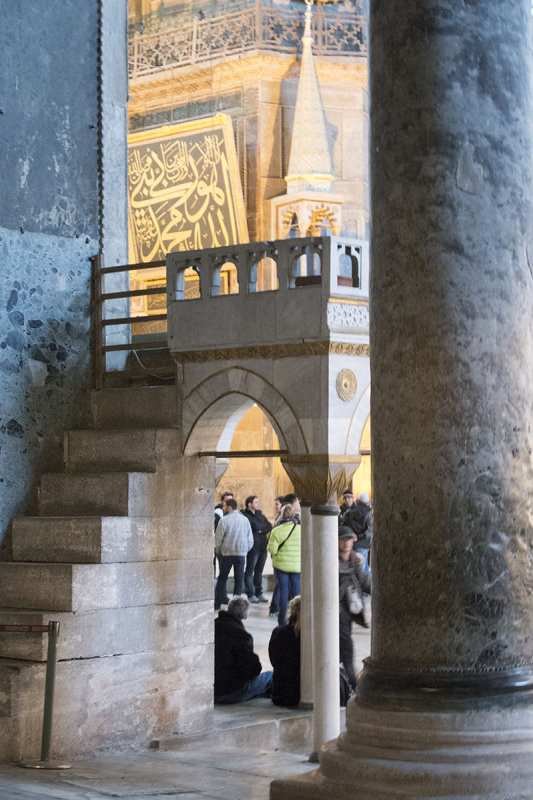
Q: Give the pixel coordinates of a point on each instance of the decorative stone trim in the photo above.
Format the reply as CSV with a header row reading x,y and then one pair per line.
x,y
273,351
347,315
346,384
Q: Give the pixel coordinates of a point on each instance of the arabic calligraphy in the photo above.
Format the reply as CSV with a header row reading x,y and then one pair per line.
x,y
182,193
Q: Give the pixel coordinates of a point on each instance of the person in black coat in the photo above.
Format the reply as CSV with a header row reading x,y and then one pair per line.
x,y
238,675
284,653
256,558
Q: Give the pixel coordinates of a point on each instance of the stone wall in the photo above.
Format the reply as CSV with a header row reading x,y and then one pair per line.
x,y
52,118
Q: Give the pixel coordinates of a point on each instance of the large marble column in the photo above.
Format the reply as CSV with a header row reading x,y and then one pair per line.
x,y
445,702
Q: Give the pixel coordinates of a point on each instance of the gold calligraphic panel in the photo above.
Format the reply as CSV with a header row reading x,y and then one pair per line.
x,y
184,189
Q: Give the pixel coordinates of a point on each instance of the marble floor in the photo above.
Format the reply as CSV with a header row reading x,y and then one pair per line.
x,y
213,768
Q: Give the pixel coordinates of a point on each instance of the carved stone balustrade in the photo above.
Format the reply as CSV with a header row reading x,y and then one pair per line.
x,y
322,294
258,27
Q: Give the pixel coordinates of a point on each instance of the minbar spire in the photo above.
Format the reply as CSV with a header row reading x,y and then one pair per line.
x,y
309,163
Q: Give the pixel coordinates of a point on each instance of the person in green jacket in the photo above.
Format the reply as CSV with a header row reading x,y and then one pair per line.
x,y
284,547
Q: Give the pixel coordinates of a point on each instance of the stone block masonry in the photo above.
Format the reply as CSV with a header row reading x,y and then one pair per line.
x,y
132,593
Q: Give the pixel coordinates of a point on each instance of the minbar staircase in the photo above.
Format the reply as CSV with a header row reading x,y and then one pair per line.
x,y
119,559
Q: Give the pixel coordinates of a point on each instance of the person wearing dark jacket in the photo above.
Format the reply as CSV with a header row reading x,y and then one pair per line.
x,y
284,653
352,579
256,558
347,502
359,519
238,675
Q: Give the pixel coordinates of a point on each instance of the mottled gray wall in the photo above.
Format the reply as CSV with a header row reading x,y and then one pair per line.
x,y
49,223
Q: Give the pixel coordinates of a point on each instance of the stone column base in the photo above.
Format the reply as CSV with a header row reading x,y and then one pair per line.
x,y
384,755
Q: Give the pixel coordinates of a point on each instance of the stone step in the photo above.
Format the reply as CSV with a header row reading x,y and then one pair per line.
x,y
120,450
107,632
109,494
110,451
269,727
136,407
85,587
64,494
100,701
98,540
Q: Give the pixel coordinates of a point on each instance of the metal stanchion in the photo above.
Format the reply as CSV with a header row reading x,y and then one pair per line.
x,y
52,629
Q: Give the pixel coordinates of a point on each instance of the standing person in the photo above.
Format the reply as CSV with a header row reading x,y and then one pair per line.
x,y
278,502
352,578
284,547
284,653
219,513
238,675
255,560
359,519
347,502
233,540
274,603
219,508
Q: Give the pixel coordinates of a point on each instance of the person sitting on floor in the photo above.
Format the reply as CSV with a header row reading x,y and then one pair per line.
x,y
284,653
238,675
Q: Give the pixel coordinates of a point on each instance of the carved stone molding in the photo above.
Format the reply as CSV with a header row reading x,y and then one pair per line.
x,y
273,351
344,315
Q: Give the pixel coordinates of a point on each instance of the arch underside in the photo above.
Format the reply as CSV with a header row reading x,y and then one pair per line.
x,y
214,408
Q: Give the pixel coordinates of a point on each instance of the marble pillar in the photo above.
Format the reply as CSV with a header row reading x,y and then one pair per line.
x,y
444,705
326,715
306,610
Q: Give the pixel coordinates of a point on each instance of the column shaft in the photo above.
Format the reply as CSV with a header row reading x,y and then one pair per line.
x,y
306,610
452,388
326,715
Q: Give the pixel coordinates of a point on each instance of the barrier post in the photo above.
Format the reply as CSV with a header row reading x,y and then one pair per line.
x,y
51,660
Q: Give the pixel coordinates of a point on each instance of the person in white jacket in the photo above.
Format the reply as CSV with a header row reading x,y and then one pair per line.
x,y
233,540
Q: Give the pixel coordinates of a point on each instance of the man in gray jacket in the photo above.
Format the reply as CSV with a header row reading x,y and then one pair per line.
x,y
233,540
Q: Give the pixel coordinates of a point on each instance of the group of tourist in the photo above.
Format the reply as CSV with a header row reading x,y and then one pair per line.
x,y
242,541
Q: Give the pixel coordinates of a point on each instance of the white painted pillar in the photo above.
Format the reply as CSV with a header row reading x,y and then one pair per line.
x,y
306,610
326,690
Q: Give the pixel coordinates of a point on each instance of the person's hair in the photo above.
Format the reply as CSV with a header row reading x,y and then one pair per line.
x,y
287,512
225,494
347,492
289,498
238,607
364,498
250,500
293,613
231,503
280,499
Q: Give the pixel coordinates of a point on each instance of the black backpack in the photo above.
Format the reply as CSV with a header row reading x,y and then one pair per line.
x,y
346,690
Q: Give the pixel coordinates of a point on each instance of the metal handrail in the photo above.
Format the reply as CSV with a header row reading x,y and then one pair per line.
x,y
102,324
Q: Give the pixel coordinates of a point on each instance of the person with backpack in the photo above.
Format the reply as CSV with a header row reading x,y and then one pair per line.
x,y
284,545
354,582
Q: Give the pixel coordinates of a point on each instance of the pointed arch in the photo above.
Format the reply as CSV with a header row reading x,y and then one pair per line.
x,y
213,409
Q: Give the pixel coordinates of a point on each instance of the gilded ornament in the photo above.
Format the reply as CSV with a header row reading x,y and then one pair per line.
x,y
346,385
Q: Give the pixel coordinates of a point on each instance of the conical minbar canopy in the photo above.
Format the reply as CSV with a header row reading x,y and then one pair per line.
x,y
309,163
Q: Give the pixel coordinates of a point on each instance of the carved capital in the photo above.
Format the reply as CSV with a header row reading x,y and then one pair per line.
x,y
320,479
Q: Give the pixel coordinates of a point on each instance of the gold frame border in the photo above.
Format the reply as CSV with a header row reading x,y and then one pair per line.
x,y
222,121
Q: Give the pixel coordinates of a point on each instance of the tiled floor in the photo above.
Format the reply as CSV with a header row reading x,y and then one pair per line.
x,y
194,771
